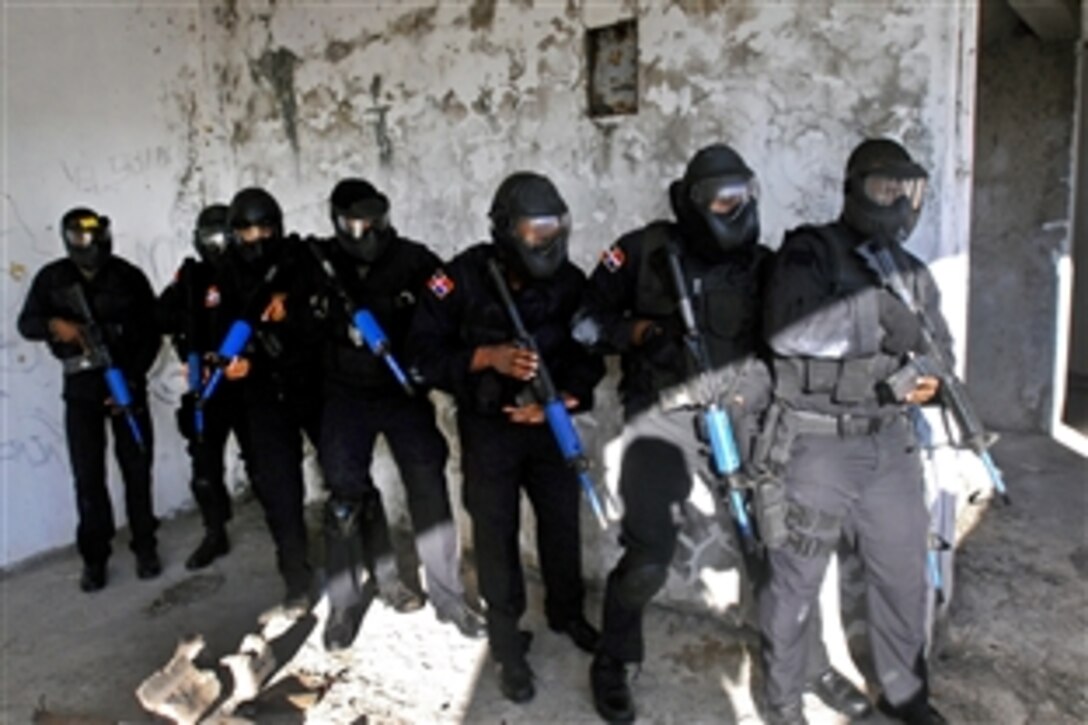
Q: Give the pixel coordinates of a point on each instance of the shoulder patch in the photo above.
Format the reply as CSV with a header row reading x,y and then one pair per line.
x,y
613,258
440,284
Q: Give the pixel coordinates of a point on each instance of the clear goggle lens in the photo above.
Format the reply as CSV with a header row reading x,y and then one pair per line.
x,y
540,231
724,196
214,239
254,233
357,227
83,232
887,190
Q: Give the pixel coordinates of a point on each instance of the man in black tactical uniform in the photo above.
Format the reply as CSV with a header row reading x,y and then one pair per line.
x,y
190,312
263,282
464,342
853,464
119,299
377,270
633,309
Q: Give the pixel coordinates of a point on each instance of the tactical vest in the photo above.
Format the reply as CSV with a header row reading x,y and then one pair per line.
x,y
833,385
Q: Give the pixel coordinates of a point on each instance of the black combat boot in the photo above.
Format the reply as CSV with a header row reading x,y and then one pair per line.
x,y
839,694
148,565
790,713
611,694
341,628
584,635
516,680
93,577
916,711
214,545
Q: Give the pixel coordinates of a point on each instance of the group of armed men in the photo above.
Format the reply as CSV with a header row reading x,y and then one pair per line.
x,y
282,337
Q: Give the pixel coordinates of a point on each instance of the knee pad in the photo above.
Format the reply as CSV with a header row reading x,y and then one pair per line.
x,y
639,583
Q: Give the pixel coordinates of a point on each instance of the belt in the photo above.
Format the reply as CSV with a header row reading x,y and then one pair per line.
x,y
843,425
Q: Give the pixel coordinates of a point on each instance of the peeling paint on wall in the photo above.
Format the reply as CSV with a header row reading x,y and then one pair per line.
x,y
277,68
481,14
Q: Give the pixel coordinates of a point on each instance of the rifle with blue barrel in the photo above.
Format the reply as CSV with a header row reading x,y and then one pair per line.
x,y
724,455
933,362
555,410
363,320
94,342
239,333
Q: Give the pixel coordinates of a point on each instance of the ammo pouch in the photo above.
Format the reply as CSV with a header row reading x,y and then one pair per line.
x,y
811,533
771,511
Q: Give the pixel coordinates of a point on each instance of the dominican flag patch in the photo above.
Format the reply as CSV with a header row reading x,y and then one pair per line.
x,y
211,297
440,284
613,258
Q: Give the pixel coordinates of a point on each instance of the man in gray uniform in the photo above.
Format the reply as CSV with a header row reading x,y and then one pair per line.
x,y
853,465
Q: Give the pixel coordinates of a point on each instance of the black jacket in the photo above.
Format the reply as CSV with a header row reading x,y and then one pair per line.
x,y
284,355
123,305
461,310
389,289
633,282
190,310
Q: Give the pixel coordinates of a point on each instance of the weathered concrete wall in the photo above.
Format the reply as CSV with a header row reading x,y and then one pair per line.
x,y
436,103
1021,219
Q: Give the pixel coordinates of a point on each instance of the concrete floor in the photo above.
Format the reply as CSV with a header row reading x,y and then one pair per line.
x,y
1014,649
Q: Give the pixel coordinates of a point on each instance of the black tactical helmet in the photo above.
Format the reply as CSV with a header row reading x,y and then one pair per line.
x,y
884,190
530,225
211,233
716,202
87,239
255,210
360,216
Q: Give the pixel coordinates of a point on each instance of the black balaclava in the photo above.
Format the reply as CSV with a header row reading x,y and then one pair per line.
x,y
883,191
716,176
360,216
212,233
87,239
255,207
530,225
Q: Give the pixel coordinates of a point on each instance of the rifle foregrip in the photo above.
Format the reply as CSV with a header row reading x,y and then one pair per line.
x,y
115,381
566,436
122,396
233,344
373,335
236,340
378,343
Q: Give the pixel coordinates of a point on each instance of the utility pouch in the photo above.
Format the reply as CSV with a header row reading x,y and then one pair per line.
x,y
771,510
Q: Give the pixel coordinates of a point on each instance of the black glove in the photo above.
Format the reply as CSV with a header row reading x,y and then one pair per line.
x,y
902,330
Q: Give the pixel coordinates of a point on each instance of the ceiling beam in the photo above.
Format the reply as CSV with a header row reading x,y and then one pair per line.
x,y
1050,19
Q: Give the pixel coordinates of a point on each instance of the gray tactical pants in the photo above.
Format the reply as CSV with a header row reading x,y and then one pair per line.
x,y
872,484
